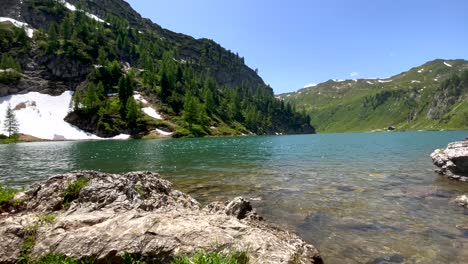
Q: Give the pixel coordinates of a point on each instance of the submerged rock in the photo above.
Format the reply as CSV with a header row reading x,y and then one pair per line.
x,y
452,161
394,259
462,200
139,214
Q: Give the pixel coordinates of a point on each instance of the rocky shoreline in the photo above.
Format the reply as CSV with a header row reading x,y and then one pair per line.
x,y
452,162
106,216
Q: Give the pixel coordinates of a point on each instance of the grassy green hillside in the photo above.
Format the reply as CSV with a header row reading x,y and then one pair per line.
x,y
432,96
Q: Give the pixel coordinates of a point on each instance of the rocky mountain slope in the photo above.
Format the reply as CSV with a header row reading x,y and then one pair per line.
x,y
201,88
105,217
428,97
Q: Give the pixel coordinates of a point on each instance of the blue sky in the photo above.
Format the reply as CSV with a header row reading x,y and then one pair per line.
x,y
297,42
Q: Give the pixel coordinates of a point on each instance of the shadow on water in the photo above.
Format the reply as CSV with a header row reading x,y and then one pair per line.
x,y
361,198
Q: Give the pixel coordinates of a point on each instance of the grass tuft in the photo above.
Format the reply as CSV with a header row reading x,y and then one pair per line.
x,y
202,257
54,258
6,195
73,191
47,219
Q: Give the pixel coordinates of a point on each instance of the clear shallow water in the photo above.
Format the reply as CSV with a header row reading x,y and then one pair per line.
x,y
357,197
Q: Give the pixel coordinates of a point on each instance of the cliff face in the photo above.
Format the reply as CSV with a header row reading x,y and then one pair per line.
x,y
105,216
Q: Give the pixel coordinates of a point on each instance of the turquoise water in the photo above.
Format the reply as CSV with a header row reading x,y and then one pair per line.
x,y
360,198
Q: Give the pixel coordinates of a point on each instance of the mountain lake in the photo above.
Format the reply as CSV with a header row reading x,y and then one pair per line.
x,y
359,198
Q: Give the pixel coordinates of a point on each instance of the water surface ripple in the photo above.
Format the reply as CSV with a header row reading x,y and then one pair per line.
x,y
360,198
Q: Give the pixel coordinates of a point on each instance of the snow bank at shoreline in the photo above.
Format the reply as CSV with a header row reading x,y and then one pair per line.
x,y
42,116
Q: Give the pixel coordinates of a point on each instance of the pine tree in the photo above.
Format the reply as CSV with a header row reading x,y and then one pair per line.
x,y
102,57
191,110
53,43
165,87
132,113
91,100
11,124
101,91
77,98
125,92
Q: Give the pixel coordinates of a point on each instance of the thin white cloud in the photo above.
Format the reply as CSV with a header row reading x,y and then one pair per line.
x,y
353,74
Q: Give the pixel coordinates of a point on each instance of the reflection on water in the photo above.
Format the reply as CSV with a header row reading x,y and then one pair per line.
x,y
361,198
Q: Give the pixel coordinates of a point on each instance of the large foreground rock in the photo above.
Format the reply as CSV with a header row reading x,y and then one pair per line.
x,y
140,214
452,161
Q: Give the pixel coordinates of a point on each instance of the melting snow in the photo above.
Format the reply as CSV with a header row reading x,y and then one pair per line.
x,y
310,85
164,133
121,136
336,80
369,82
151,112
147,110
29,31
384,81
421,70
140,98
73,8
41,115
448,65
415,81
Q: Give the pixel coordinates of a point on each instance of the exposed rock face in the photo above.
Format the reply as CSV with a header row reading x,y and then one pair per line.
x,y
140,214
452,161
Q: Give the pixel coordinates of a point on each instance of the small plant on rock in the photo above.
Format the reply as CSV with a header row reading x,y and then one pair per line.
x,y
73,190
202,257
6,195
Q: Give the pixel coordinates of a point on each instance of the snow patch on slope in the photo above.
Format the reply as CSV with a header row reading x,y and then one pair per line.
x,y
415,81
162,132
447,64
74,9
152,112
41,115
29,30
421,70
385,81
139,98
148,109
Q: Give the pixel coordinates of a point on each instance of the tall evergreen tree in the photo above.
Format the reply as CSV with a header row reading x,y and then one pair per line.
x,y
102,57
91,100
191,110
11,124
125,92
165,87
133,113
53,43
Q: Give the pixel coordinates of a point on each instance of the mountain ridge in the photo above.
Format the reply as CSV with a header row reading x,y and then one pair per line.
x,y
346,105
